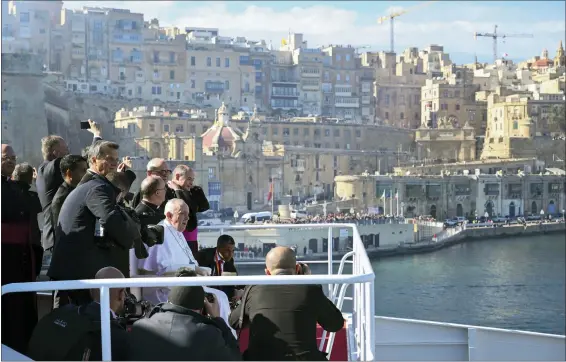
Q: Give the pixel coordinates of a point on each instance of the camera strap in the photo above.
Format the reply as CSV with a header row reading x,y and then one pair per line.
x,y
242,311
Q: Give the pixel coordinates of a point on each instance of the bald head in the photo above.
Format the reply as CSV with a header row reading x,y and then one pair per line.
x,y
281,260
117,296
109,273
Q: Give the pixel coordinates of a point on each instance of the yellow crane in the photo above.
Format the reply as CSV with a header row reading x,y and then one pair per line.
x,y
395,14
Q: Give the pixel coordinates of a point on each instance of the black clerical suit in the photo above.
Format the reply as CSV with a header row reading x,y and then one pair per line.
x,y
21,262
282,321
60,196
207,258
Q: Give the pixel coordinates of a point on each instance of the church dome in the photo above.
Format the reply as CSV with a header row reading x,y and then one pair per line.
x,y
221,136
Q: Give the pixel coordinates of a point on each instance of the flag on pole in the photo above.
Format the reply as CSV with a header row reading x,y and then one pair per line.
x,y
270,193
396,195
383,196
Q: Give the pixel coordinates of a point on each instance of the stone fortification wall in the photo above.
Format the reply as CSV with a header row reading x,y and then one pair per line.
x,y
23,116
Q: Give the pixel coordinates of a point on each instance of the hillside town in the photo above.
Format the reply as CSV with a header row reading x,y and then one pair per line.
x,y
328,128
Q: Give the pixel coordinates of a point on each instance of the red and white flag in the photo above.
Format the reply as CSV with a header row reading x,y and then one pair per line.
x,y
396,194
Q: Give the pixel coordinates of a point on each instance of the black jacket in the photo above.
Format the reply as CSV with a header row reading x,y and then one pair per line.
x,y
205,257
149,214
194,198
51,342
60,196
282,321
173,333
48,180
79,254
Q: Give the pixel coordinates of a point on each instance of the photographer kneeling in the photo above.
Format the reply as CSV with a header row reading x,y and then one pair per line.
x,y
179,331
72,333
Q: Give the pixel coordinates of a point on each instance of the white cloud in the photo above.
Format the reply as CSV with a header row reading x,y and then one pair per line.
x,y
448,24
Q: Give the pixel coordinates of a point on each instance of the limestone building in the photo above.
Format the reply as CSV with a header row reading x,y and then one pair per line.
x,y
446,142
457,195
23,115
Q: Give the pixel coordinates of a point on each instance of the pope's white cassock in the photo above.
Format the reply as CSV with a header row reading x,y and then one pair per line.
x,y
166,259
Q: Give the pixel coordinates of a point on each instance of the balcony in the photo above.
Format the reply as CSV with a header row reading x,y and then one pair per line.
x,y
326,87
285,94
343,90
347,103
310,87
214,87
366,100
310,73
284,80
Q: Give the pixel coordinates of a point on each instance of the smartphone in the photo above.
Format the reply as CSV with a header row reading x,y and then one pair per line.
x,y
85,125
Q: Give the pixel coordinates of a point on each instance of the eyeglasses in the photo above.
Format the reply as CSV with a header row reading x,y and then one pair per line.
x,y
161,172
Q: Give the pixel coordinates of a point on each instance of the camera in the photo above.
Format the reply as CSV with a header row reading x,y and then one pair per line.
x,y
150,234
209,297
134,309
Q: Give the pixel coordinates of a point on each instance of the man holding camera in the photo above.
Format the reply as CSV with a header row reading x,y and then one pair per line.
x,y
187,327
72,333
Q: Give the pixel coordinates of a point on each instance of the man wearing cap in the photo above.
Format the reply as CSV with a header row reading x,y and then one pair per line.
x,y
178,330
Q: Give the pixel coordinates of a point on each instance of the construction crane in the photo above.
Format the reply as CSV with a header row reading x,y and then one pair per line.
x,y
395,14
495,36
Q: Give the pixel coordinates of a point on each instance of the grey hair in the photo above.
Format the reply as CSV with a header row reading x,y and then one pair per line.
x,y
100,149
173,205
154,162
182,170
23,172
48,143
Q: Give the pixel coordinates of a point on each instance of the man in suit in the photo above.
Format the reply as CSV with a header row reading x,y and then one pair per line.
x,y
221,259
283,318
73,168
92,232
153,192
49,178
72,333
21,255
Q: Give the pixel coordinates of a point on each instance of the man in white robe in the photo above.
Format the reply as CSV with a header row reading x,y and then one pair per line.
x,y
174,253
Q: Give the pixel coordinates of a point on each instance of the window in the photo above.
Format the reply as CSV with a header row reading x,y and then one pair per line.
x,y
338,77
337,133
172,74
402,115
338,57
24,17
208,61
179,128
457,94
295,131
171,57
386,115
165,128
42,31
193,83
347,77
156,57
326,133
274,131
515,125
211,173
457,106
152,128
227,84
193,61
226,62
156,90
347,57
218,62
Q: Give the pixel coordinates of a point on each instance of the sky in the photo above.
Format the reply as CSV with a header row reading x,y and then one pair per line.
x,y
448,23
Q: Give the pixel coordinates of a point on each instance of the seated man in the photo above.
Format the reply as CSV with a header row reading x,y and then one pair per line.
x,y
72,333
165,259
283,318
178,331
220,260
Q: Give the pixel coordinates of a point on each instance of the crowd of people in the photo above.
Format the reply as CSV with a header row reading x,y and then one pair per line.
x,y
356,218
95,228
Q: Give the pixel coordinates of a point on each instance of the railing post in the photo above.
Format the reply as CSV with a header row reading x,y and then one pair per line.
x,y
330,247
105,323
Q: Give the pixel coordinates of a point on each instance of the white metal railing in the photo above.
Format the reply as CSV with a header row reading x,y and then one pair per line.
x,y
362,277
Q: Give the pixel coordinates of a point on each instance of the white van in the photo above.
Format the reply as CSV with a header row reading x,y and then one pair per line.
x,y
252,217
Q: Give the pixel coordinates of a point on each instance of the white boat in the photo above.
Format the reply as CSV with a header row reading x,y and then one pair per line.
x,y
366,337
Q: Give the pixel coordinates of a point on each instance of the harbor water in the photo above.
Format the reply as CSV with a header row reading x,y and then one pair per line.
x,y
512,283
